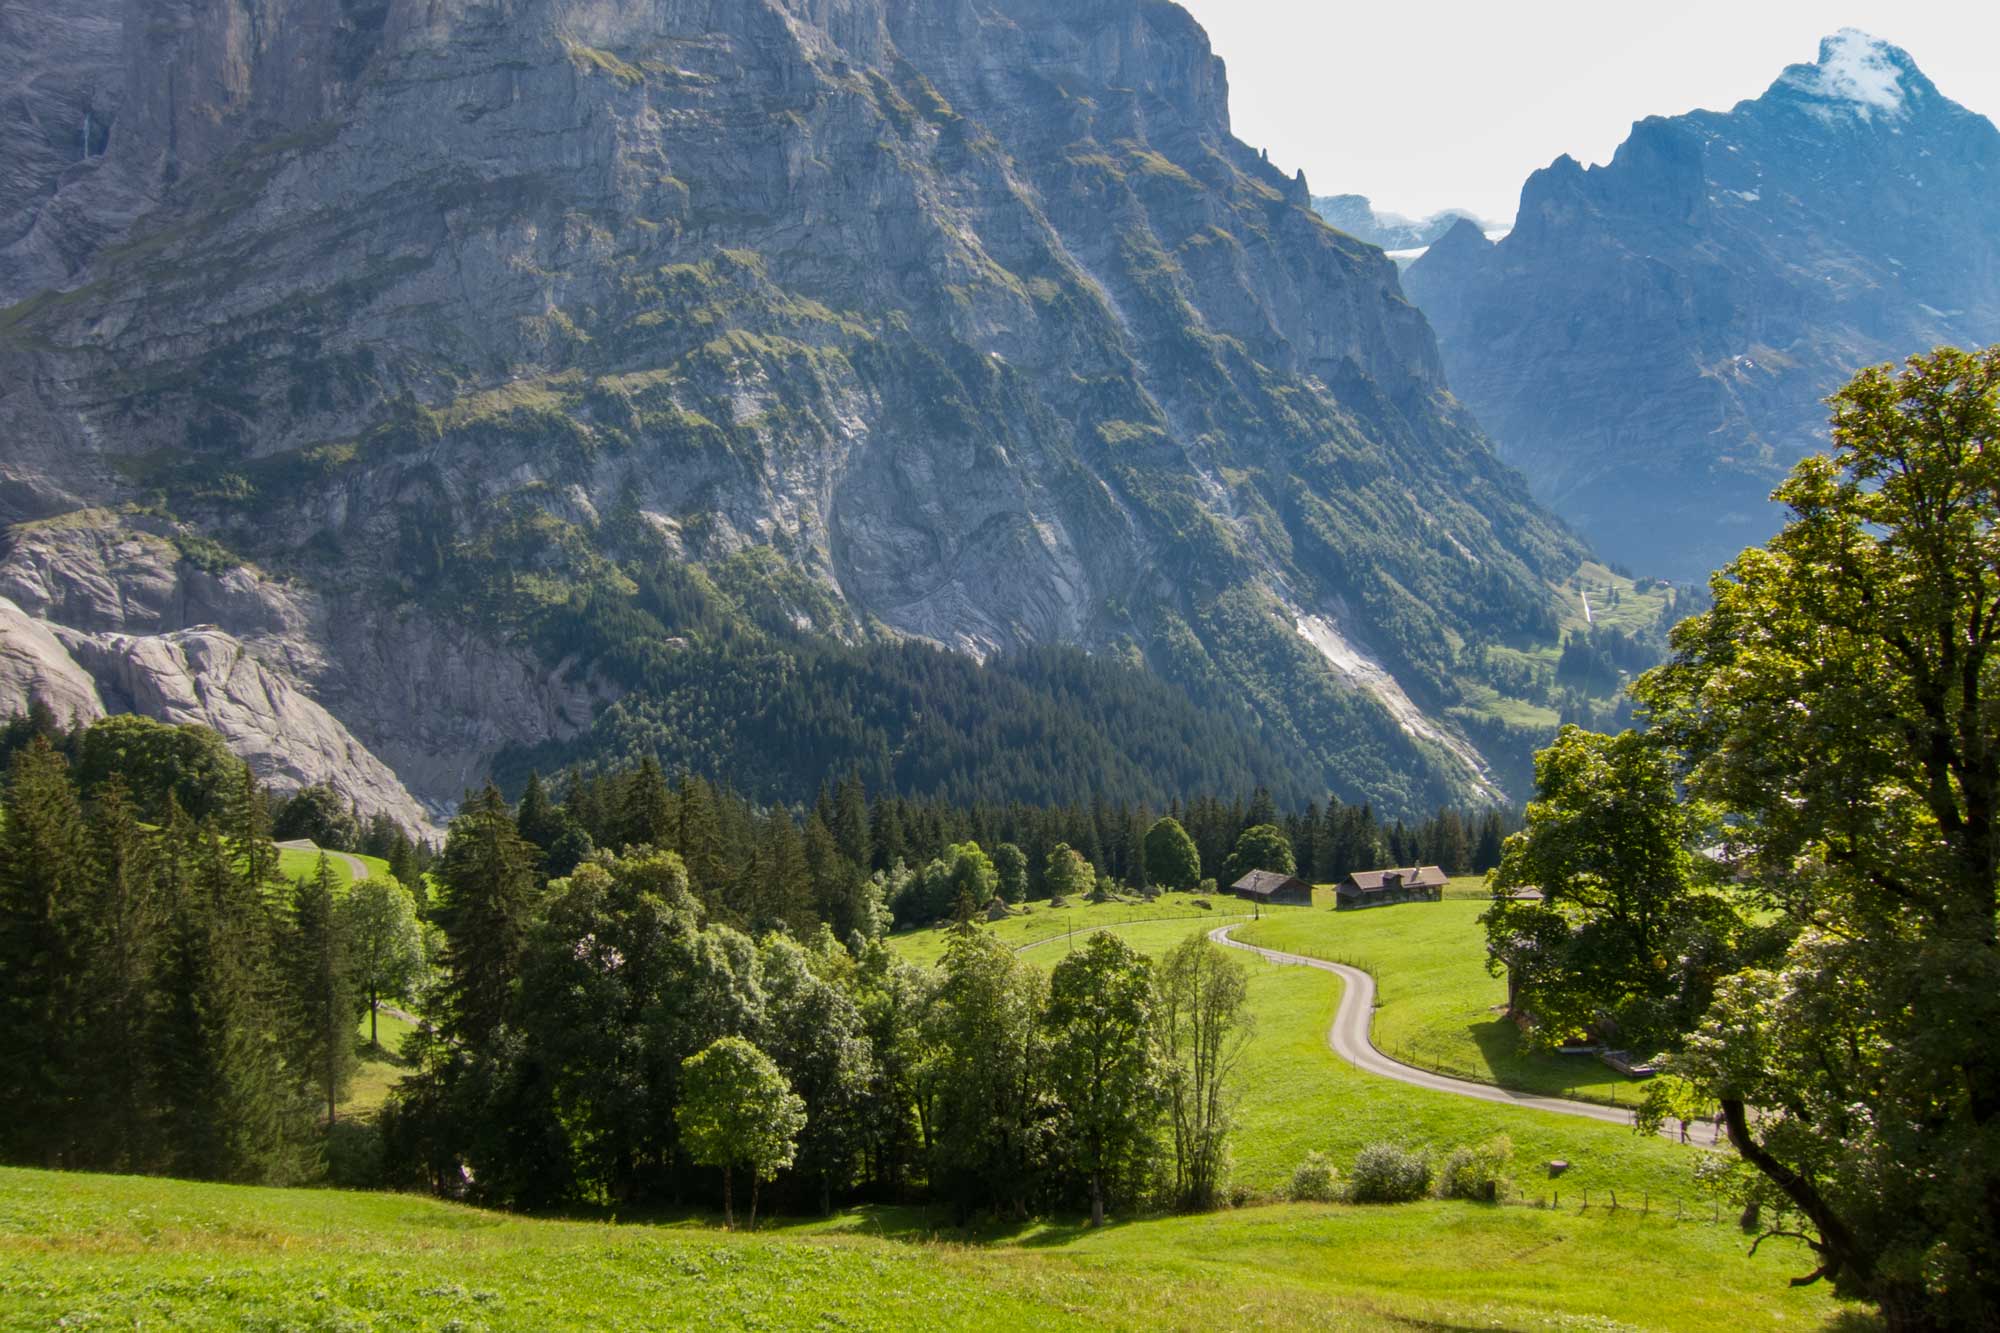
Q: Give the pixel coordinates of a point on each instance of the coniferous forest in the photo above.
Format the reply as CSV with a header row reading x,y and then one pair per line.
x,y
177,1005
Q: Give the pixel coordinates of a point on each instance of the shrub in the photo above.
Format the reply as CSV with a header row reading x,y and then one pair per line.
x,y
1206,886
1387,1173
1315,1181
1478,1173
1204,904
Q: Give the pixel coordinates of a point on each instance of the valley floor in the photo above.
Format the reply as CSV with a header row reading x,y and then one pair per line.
x,y
102,1251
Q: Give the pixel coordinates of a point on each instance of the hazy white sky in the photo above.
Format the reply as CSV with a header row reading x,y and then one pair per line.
x,y
1452,104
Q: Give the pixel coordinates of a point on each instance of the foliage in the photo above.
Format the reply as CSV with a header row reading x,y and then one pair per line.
x,y
1478,1173
1389,1173
316,813
385,941
158,763
737,1110
1104,1061
1264,847
1172,860
1838,704
1204,1027
1624,940
1067,874
318,975
1317,1180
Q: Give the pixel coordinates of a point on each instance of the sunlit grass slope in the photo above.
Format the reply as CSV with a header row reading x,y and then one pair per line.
x,y
107,1252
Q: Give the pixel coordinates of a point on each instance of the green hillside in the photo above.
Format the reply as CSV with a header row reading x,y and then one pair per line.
x,y
108,1251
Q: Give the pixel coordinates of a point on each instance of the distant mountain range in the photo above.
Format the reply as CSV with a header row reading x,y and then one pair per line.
x,y
1652,343
1403,237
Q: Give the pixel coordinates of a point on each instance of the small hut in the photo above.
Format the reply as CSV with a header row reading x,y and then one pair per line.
x,y
1379,888
1268,886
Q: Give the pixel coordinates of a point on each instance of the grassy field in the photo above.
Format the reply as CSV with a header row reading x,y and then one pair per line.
x,y
1042,922
293,863
379,1070
1295,1095
1437,1006
106,1251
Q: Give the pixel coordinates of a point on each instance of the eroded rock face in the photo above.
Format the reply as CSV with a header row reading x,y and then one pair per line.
x,y
971,312
210,678
134,623
1653,342
35,667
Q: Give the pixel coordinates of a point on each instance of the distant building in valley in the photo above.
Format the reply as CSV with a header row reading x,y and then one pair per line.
x,y
1379,888
1268,886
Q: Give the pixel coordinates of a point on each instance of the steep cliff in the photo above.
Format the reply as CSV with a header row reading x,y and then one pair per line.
x,y
489,326
1652,343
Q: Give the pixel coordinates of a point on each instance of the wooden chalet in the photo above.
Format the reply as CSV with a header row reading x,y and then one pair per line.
x,y
1268,886
1379,888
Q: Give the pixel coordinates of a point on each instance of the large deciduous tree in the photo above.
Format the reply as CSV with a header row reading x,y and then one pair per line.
x,y
1841,702
1203,1028
737,1110
385,943
1623,933
1104,1065
1171,859
1262,847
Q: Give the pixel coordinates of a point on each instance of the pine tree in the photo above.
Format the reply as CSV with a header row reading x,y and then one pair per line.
x,y
250,824
45,885
850,824
318,977
645,809
486,890
126,911
535,818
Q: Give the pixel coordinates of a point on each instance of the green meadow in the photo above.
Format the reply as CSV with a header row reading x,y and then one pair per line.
x,y
81,1251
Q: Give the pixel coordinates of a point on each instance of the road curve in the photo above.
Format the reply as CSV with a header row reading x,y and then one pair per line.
x,y
356,870
1349,1037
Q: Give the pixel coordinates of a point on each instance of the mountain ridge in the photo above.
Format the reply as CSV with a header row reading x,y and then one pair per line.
x,y
1652,341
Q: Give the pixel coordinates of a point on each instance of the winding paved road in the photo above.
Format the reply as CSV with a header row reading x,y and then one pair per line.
x,y
356,871
1350,1040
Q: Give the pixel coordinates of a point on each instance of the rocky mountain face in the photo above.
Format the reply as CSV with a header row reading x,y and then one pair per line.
x,y
1653,342
489,372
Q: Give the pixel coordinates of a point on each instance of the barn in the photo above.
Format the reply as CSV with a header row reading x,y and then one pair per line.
x,y
1379,888
1268,886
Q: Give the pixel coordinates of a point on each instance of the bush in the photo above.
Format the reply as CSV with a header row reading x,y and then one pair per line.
x,y
1478,1173
1204,904
1387,1173
1315,1181
1206,886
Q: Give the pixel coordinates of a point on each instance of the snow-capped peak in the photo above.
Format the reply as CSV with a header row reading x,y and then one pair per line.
x,y
1854,68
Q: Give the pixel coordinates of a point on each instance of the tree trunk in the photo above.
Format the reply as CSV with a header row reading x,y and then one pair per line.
x,y
728,1204
753,1200
1097,1198
374,1040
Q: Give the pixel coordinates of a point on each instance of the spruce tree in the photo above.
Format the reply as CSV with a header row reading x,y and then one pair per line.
x,y
487,891
536,818
319,980
45,874
126,914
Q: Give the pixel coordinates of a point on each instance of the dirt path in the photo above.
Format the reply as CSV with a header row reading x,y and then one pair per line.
x,y
356,871
1349,1038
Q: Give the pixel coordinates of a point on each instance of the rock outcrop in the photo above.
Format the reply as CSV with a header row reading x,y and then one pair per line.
x,y
36,668
1653,342
963,320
